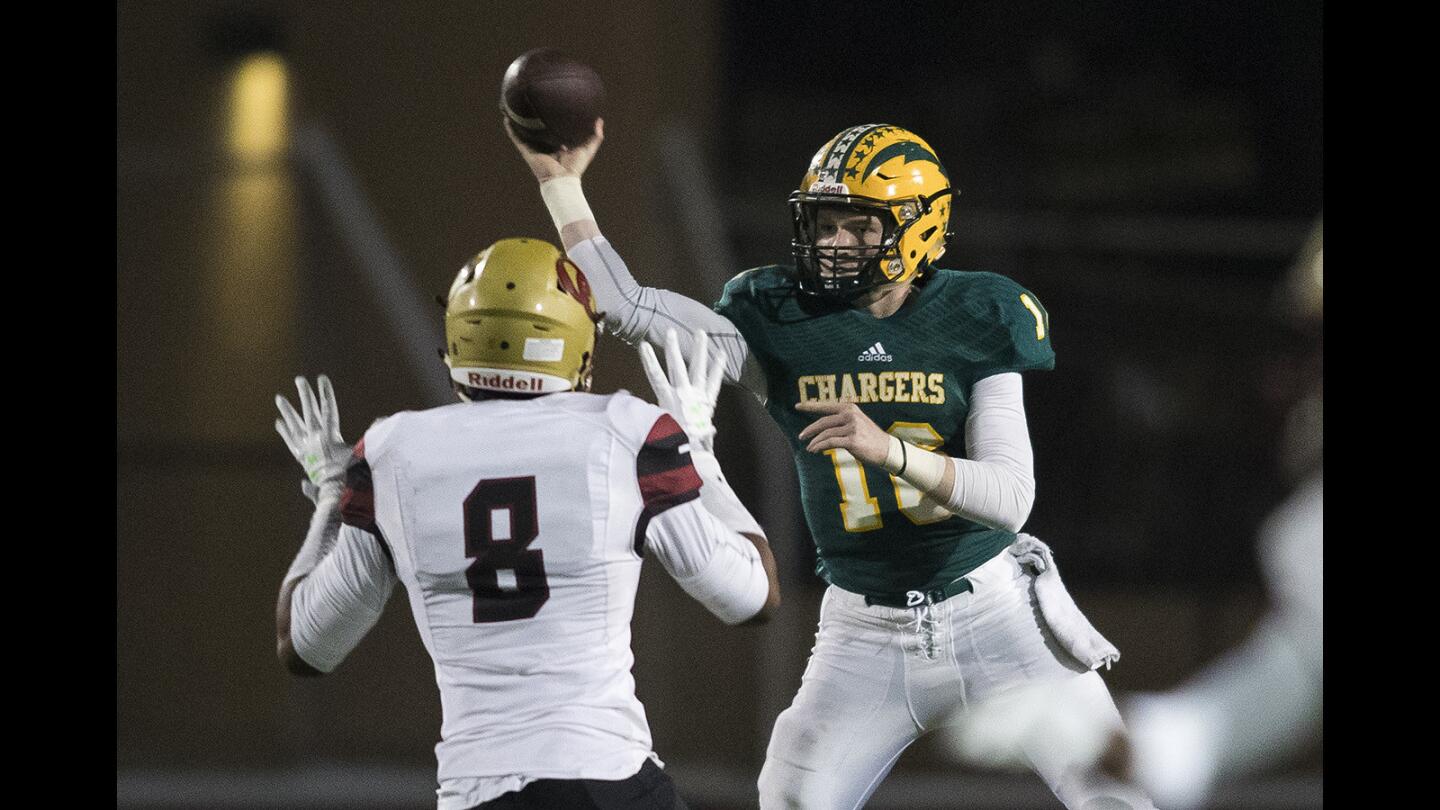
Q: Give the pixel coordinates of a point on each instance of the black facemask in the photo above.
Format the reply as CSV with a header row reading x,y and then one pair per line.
x,y
840,272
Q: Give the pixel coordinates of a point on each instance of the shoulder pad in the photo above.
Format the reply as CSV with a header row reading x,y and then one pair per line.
x,y
756,284
1015,335
378,434
759,278
740,276
1016,306
631,417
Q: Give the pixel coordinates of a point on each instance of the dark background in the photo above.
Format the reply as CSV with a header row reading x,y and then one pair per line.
x,y
1148,169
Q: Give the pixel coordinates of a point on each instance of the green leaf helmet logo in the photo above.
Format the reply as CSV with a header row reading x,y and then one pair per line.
x,y
907,149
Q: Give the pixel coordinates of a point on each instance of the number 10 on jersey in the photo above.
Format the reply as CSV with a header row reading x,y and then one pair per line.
x,y
859,510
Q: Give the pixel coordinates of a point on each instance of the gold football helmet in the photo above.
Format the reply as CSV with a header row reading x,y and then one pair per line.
x,y
872,169
520,319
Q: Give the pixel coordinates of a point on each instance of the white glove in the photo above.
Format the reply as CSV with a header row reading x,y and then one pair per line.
x,y
313,435
690,398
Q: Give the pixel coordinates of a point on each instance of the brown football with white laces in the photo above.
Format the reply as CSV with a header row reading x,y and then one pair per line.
x,y
551,99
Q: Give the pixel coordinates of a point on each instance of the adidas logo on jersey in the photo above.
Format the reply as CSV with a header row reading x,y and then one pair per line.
x,y
875,354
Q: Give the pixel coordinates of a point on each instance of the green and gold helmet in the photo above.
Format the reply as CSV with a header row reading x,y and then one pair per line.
x,y
872,169
520,319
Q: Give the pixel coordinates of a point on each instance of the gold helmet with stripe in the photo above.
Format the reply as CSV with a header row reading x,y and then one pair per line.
x,y
520,320
880,170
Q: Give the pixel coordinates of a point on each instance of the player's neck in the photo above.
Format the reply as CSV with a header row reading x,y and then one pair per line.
x,y
885,301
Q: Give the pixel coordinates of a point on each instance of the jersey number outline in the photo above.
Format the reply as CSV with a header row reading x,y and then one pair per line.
x,y
1040,315
507,580
859,510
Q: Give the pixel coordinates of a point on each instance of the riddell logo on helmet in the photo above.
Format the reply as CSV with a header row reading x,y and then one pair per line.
x,y
504,383
821,187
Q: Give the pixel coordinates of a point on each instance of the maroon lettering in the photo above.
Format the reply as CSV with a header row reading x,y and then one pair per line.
x,y
505,383
493,601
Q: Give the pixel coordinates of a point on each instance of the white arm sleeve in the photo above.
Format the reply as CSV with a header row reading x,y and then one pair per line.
x,y
320,538
340,600
635,313
996,484
714,564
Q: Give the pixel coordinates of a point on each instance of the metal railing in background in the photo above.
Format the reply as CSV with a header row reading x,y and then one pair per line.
x,y
316,154
407,311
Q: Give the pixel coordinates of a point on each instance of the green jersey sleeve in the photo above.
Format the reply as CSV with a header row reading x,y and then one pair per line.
x,y
737,300
1017,333
753,300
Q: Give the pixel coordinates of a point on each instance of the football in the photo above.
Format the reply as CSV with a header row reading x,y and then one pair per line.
x,y
551,99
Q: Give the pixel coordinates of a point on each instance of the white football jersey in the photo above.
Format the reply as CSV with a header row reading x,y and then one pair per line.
x,y
517,528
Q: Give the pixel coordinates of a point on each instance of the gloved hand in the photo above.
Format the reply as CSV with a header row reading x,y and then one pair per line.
x,y
310,491
313,436
690,395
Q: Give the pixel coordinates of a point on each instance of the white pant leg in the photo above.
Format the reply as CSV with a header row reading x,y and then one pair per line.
x,y
851,719
1001,642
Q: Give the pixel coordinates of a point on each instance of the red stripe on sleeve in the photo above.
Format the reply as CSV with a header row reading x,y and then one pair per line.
x,y
666,486
357,500
664,428
664,470
666,475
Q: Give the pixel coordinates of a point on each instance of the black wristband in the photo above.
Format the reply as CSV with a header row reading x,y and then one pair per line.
x,y
904,457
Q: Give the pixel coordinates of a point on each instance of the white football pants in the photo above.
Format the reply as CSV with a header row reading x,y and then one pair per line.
x,y
880,677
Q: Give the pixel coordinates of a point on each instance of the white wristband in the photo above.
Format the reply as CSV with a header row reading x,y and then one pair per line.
x,y
895,456
914,465
565,201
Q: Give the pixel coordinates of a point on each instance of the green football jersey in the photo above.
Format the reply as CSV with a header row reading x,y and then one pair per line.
x,y
911,373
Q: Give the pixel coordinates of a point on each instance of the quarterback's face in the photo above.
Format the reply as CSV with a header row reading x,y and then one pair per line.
x,y
845,228
838,227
